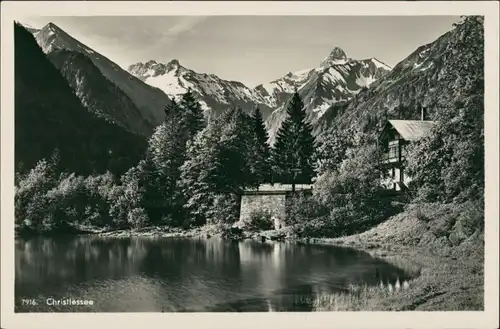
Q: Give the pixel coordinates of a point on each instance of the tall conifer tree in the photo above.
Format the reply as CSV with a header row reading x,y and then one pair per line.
x,y
200,173
262,164
293,152
219,165
165,155
193,114
236,151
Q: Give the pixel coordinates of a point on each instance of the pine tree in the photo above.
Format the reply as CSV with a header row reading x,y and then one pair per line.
x,y
261,154
236,151
293,152
218,166
199,173
165,155
193,114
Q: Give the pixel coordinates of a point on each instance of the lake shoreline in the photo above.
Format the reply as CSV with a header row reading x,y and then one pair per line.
x,y
446,276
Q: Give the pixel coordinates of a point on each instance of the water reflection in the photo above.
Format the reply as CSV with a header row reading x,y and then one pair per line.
x,y
179,275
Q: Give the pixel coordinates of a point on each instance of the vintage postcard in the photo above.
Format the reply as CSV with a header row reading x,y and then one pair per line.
x,y
254,164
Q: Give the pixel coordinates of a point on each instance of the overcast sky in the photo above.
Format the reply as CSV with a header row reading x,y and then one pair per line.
x,y
250,49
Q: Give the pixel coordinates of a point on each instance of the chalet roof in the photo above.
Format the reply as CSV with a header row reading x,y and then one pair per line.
x,y
279,188
412,129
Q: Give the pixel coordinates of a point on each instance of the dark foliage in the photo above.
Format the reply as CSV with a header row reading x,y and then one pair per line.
x,y
261,153
218,167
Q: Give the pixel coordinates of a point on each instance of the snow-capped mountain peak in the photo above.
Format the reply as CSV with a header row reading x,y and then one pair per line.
x,y
380,64
152,69
52,37
337,79
336,57
53,27
174,63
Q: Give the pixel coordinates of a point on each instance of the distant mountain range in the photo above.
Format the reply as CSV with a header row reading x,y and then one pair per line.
x,y
336,79
341,91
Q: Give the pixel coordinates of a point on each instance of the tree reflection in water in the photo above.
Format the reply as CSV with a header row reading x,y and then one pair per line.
x,y
176,274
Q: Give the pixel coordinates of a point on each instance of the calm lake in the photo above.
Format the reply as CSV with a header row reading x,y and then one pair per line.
x,y
144,274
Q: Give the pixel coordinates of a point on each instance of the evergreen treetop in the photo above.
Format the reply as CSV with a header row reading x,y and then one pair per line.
x,y
293,152
261,152
193,113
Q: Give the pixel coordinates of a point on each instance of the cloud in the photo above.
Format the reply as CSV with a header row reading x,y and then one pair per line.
x,y
184,24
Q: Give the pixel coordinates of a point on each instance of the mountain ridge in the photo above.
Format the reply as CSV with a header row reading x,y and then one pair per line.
x,y
50,118
149,100
332,92
106,100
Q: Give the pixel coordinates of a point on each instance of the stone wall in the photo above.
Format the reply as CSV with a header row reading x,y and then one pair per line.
x,y
274,203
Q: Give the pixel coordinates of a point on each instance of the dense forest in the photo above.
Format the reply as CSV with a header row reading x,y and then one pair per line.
x,y
85,171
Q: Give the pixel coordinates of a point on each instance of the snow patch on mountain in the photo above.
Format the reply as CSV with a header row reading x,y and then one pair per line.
x,y
362,80
380,64
324,105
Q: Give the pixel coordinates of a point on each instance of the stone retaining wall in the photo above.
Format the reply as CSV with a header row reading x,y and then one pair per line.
x,y
274,203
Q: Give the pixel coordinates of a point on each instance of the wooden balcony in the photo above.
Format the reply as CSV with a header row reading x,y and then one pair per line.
x,y
386,158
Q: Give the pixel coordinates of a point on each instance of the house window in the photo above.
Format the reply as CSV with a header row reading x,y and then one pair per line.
x,y
393,152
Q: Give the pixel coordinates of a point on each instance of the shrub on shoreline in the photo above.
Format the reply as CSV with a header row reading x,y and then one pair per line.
x,y
260,220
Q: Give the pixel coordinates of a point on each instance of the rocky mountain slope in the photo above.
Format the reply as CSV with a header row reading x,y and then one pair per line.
x,y
149,101
214,94
337,79
50,118
420,80
97,93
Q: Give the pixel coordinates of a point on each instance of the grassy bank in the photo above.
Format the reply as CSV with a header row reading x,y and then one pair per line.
x,y
445,284
432,240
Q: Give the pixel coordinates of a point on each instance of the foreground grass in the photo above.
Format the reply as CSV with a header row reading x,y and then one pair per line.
x,y
444,284
450,269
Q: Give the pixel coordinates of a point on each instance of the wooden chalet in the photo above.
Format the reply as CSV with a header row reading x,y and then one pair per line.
x,y
393,142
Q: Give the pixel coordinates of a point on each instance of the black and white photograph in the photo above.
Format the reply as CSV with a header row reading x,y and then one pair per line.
x,y
249,163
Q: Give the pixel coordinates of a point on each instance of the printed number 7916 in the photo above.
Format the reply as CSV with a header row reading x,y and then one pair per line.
x,y
26,301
